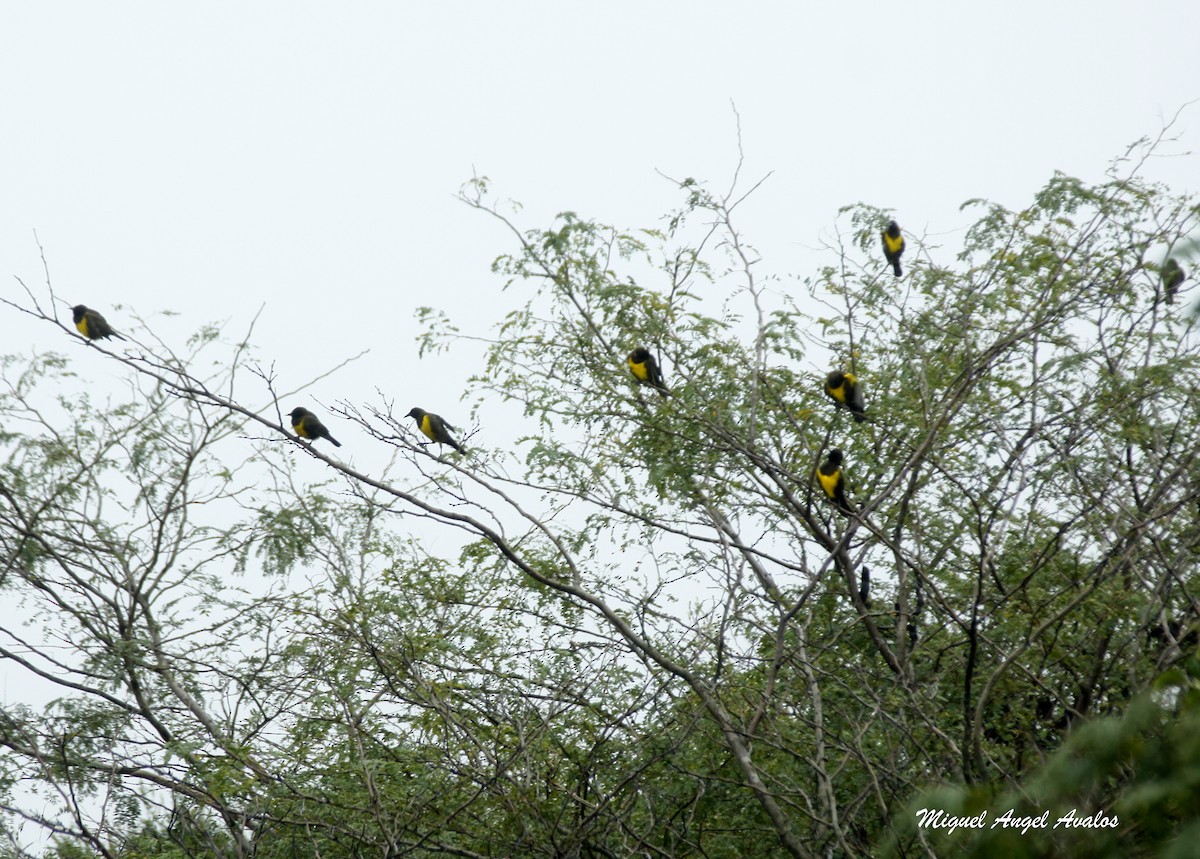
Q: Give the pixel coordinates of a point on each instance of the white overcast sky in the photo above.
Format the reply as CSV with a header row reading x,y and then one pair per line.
x,y
212,158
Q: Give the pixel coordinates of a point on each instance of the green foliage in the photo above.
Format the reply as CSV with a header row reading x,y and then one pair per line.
x,y
1119,786
650,636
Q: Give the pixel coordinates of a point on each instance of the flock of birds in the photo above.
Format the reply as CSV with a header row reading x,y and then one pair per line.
x,y
309,426
840,385
305,424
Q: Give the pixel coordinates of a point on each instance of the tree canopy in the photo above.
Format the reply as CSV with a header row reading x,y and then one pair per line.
x,y
660,637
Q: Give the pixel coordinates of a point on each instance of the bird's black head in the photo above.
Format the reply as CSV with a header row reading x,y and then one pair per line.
x,y
835,379
417,414
77,312
893,229
639,355
835,456
297,413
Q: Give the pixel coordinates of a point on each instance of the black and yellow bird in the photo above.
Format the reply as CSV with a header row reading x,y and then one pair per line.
x,y
829,475
646,370
307,425
91,324
435,428
893,246
844,389
1173,277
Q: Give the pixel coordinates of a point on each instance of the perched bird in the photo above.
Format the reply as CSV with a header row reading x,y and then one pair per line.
x,y
1173,277
436,428
646,370
91,324
306,425
843,387
893,246
830,477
